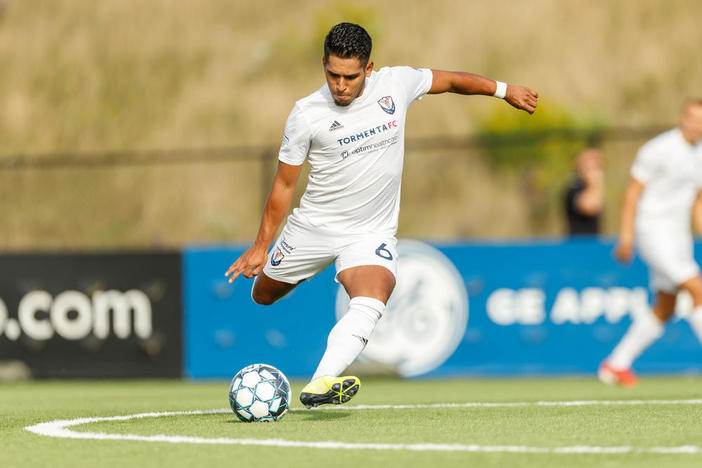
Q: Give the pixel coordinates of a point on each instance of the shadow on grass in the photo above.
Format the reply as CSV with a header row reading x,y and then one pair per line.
x,y
317,415
312,415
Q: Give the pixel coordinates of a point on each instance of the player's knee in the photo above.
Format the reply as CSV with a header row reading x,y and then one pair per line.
x,y
261,297
694,288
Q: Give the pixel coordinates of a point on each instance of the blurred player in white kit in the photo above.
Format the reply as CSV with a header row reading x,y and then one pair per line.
x,y
663,194
351,130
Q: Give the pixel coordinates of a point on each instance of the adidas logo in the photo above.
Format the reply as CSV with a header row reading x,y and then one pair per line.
x,y
363,340
335,126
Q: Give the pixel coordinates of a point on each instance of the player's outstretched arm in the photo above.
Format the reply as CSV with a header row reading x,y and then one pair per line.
x,y
625,246
254,259
519,97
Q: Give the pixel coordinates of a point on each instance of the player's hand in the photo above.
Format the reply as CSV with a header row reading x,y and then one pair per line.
x,y
522,98
624,251
593,177
249,264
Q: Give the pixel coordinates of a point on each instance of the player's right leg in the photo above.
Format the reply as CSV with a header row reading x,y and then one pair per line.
x,y
669,256
616,369
266,290
298,254
694,287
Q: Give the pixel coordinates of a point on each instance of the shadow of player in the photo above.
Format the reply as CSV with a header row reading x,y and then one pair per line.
x,y
321,415
311,415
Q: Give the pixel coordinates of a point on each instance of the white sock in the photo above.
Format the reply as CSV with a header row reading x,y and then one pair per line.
x,y
640,335
349,336
695,321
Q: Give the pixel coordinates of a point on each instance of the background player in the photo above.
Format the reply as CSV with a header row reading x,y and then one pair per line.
x,y
352,132
663,191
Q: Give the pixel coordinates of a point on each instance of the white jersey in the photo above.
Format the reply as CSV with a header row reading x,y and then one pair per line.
x,y
670,169
355,153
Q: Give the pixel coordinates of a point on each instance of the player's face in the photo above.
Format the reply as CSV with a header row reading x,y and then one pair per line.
x,y
346,78
691,123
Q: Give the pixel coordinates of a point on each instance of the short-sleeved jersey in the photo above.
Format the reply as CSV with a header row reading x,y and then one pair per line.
x,y
355,152
670,169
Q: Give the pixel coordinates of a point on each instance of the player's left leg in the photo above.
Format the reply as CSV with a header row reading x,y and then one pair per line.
x,y
366,269
694,287
369,288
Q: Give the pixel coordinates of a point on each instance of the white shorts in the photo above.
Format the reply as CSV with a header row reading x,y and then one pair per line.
x,y
669,256
303,251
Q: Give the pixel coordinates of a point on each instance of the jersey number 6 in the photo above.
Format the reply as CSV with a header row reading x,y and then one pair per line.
x,y
383,252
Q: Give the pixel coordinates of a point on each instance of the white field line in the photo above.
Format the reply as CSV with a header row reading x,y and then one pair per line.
x,y
515,404
60,428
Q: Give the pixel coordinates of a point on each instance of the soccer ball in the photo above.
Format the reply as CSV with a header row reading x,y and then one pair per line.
x,y
259,392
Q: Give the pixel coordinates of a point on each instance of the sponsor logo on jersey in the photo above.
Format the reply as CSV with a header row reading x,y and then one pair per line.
x,y
335,126
387,104
371,147
367,133
426,317
277,257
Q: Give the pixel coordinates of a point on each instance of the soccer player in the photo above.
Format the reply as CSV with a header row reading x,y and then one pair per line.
x,y
351,130
662,194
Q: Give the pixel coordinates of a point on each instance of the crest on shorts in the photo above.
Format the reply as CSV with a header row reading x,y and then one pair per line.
x,y
387,104
277,257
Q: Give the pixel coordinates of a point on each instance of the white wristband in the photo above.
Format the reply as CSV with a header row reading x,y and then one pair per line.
x,y
500,90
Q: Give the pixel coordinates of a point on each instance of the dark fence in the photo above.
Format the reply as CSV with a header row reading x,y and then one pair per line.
x,y
264,154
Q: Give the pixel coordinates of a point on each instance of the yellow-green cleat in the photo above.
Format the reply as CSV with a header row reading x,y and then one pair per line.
x,y
329,390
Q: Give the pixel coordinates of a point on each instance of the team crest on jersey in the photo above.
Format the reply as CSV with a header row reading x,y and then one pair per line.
x,y
387,104
277,257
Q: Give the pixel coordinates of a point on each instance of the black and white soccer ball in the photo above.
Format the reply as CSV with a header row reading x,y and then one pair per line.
x,y
259,392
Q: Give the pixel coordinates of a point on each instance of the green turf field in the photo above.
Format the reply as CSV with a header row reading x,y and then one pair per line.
x,y
529,434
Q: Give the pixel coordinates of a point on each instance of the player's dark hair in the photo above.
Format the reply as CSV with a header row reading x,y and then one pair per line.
x,y
692,101
594,140
346,40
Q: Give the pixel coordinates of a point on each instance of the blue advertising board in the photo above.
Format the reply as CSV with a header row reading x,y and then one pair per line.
x,y
544,307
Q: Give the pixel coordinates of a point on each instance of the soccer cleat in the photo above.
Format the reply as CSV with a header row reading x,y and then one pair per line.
x,y
621,377
329,390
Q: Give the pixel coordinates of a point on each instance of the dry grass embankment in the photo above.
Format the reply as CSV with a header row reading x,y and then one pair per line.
x,y
79,75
